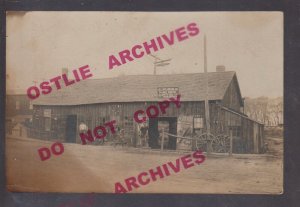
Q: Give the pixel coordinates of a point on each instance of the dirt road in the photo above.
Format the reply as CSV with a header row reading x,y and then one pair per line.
x,y
86,168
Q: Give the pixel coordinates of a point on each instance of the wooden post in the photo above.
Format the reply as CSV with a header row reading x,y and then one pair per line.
x,y
162,140
10,129
20,131
135,134
230,150
206,102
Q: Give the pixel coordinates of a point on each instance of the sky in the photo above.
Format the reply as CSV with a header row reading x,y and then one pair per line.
x,y
40,44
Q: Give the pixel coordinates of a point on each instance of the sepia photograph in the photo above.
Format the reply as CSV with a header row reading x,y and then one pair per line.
x,y
144,102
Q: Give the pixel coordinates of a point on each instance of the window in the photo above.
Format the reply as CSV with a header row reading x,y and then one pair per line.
x,y
47,124
128,121
47,113
47,116
198,123
18,105
30,105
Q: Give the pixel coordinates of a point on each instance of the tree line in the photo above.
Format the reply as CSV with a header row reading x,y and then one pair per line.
x,y
266,110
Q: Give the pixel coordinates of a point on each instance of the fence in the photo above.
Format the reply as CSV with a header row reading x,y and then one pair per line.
x,y
206,142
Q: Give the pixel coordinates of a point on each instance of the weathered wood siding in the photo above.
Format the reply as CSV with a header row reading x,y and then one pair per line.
x,y
232,97
23,102
247,134
97,114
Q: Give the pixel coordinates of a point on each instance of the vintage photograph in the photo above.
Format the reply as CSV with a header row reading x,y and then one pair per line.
x,y
144,102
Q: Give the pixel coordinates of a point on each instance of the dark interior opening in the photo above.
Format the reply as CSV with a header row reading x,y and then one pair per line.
x,y
154,133
71,128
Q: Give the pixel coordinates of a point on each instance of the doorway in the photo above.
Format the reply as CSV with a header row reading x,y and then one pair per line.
x,y
153,133
155,130
71,128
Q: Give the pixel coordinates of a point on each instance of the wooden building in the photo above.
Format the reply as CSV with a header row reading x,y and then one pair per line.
x,y
94,102
17,103
18,110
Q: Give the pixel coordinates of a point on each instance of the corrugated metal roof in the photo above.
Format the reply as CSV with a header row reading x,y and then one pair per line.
x,y
139,88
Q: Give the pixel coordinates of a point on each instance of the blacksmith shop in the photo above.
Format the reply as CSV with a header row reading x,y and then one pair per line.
x,y
90,103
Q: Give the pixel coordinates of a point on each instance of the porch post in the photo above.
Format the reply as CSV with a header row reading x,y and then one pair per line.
x,y
230,150
162,140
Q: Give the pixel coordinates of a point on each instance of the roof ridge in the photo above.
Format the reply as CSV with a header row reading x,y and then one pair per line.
x,y
135,88
158,75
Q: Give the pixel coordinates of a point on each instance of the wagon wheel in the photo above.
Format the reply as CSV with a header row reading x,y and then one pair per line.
x,y
201,144
99,141
221,144
202,140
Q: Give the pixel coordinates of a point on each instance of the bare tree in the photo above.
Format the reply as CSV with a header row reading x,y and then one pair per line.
x,y
266,110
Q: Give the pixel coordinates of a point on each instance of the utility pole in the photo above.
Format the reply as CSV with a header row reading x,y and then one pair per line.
x,y
206,85
155,62
159,63
206,103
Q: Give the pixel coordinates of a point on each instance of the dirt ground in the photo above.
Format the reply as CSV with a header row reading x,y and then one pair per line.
x,y
87,168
